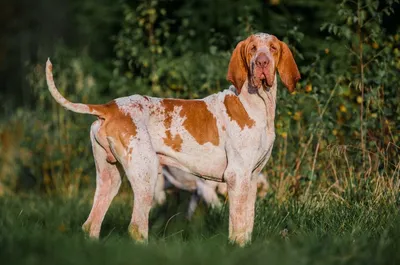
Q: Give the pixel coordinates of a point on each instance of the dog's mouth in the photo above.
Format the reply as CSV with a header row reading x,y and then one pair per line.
x,y
261,78
260,83
264,84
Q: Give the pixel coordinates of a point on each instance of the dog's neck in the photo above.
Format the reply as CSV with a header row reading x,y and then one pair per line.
x,y
260,104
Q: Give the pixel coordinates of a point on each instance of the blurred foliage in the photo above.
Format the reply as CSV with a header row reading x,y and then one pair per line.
x,y
153,59
338,133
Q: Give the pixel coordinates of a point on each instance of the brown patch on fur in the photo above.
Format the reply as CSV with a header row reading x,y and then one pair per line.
x,y
237,112
173,142
199,121
115,124
119,122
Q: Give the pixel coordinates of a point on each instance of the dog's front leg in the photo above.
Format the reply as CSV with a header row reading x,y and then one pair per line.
x,y
242,194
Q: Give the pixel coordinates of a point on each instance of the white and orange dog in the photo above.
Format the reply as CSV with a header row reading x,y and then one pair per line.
x,y
223,137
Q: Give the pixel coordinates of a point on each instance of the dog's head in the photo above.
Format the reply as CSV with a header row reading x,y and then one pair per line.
x,y
256,58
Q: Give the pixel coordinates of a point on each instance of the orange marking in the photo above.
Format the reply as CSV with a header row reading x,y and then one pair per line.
x,y
116,124
199,121
173,142
236,111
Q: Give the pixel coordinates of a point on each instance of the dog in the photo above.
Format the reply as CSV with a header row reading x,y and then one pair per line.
x,y
223,137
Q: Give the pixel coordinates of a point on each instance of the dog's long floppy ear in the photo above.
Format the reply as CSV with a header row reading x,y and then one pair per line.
x,y
237,69
287,68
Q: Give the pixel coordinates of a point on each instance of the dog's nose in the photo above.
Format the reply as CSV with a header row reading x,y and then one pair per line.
x,y
262,60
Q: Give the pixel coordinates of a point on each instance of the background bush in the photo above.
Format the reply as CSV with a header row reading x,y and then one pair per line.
x,y
338,135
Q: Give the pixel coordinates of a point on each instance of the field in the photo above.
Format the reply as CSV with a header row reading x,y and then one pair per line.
x,y
334,172
43,230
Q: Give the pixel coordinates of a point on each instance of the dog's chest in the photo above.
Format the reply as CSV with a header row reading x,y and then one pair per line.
x,y
266,145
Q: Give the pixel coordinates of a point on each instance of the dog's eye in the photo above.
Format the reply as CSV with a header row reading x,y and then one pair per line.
x,y
273,48
254,48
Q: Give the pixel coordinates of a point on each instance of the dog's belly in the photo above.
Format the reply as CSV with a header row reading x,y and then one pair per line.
x,y
208,164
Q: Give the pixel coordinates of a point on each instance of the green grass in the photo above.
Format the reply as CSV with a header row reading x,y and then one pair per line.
x,y
46,230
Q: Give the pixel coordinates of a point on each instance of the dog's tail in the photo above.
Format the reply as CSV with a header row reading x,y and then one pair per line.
x,y
97,110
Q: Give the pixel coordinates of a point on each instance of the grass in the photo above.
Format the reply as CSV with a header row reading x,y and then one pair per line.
x,y
46,230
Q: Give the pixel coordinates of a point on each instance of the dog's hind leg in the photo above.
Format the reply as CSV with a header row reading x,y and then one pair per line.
x,y
108,181
141,166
